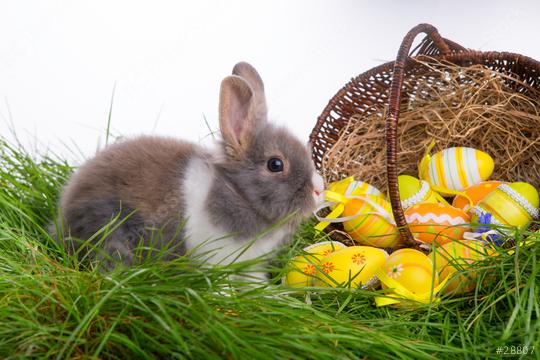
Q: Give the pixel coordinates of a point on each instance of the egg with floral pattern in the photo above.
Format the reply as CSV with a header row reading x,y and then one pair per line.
x,y
411,269
352,267
302,269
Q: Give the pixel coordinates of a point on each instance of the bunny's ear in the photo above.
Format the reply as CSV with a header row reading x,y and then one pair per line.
x,y
239,112
248,73
252,77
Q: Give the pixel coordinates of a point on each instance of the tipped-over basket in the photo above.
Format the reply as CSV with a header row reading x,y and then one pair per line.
x,y
386,89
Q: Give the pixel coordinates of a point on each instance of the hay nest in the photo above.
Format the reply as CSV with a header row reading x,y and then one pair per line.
x,y
471,106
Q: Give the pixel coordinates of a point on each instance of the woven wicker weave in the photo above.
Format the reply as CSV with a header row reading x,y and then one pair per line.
x,y
389,84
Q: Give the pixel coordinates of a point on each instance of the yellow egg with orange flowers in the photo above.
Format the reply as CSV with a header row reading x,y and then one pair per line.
x,y
437,222
457,256
371,222
302,268
476,193
353,266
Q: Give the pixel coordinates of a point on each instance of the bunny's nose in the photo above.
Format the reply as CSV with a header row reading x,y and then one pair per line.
x,y
318,187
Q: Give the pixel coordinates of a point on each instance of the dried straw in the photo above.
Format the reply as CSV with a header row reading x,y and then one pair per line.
x,y
456,106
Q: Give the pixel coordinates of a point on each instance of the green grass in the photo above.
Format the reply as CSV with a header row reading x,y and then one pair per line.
x,y
51,306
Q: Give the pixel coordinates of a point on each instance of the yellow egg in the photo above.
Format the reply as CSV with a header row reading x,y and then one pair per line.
x,y
456,168
514,204
437,222
476,193
348,186
372,222
413,191
353,266
302,268
531,239
411,269
458,255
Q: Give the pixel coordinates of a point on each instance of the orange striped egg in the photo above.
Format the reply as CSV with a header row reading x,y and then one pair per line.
x,y
475,193
412,269
352,267
302,268
437,222
456,168
372,222
458,255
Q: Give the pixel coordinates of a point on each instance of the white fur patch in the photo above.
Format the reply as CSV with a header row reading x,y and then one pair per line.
x,y
210,241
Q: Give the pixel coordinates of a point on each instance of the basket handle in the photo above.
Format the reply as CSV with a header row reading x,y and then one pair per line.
x,y
392,121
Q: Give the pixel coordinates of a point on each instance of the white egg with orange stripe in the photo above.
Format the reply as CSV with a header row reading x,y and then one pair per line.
x,y
454,169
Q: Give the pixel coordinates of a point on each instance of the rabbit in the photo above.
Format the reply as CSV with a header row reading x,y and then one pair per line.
x,y
224,203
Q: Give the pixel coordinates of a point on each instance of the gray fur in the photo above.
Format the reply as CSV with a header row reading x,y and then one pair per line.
x,y
260,199
142,175
143,179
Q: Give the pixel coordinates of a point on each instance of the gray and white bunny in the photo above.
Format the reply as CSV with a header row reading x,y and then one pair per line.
x,y
210,201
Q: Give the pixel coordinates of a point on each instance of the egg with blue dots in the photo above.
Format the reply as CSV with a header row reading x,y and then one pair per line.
x,y
456,168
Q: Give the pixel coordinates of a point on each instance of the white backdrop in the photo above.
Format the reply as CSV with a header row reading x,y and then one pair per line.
x,y
60,60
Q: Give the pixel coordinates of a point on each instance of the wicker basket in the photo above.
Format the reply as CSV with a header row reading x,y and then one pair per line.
x,y
389,84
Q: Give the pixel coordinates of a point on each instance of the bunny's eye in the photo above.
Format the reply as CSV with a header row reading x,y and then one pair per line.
x,y
275,165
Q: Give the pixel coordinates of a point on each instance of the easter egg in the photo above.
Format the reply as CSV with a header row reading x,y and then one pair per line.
x,y
437,222
514,204
475,193
456,168
371,222
302,268
532,238
352,267
411,269
413,191
348,186
458,255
